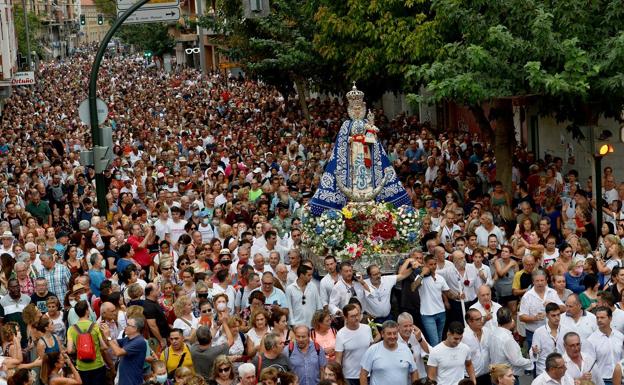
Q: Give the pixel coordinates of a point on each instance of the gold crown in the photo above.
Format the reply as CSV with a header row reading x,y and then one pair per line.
x,y
355,95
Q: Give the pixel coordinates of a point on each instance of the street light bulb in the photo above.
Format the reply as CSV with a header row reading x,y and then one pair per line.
x,y
604,150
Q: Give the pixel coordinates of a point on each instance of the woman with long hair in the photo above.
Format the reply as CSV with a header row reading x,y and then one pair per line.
x,y
323,334
222,371
279,323
52,370
186,321
333,372
21,377
259,327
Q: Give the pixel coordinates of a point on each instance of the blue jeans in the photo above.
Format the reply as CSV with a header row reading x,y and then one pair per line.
x,y
434,324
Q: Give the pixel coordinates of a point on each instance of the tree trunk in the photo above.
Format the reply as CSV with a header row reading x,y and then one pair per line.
x,y
501,113
301,92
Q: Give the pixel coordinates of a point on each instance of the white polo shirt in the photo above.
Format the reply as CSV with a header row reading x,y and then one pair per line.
x,y
430,292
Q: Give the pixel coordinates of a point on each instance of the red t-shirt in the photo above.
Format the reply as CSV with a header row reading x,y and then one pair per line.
x,y
141,255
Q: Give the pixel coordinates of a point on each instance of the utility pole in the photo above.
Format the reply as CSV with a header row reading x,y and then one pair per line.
x,y
28,58
96,133
199,11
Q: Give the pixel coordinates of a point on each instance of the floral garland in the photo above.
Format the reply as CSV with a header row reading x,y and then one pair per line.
x,y
363,231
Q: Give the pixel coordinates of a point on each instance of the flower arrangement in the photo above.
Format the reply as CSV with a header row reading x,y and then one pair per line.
x,y
362,231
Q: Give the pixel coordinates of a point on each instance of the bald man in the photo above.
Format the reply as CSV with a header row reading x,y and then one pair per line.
x,y
486,307
108,315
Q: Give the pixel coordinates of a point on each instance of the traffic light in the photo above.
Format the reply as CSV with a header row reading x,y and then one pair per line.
x,y
100,19
83,20
147,54
604,148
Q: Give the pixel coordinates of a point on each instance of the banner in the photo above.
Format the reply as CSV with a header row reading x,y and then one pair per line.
x,y
23,78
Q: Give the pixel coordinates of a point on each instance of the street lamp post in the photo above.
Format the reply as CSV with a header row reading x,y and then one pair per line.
x,y
27,30
96,132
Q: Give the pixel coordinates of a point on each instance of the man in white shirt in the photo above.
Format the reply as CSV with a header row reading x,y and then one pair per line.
x,y
606,298
548,338
579,363
555,373
302,298
450,358
346,288
532,305
329,280
431,287
377,304
461,279
487,307
503,347
176,224
607,344
488,228
577,319
447,229
161,225
477,338
352,341
415,341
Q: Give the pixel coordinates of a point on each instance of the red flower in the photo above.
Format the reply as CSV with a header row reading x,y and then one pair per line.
x,y
487,306
466,282
384,230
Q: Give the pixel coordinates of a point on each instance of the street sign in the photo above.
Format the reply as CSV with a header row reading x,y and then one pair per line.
x,y
25,78
102,111
125,4
149,15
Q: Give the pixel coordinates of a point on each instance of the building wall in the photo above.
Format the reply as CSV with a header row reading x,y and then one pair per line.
x,y
553,138
92,32
8,41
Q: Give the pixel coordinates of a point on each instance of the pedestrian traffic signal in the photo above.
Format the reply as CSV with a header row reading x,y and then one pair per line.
x,y
147,54
100,19
83,20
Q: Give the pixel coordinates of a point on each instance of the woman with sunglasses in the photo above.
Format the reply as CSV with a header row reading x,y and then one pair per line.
x,y
183,263
222,372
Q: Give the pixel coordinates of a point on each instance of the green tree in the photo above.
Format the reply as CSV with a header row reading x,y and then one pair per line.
x,y
375,40
34,28
565,56
108,8
278,48
153,37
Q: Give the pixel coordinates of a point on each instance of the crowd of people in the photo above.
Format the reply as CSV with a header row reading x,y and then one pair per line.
x,y
197,274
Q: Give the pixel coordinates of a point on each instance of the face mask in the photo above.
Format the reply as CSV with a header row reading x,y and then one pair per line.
x,y
118,177
206,221
161,378
83,297
72,302
221,306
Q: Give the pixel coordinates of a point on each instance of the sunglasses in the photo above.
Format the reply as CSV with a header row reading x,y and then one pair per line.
x,y
224,370
183,263
206,311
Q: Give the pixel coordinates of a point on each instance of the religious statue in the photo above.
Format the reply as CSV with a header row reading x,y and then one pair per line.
x,y
359,169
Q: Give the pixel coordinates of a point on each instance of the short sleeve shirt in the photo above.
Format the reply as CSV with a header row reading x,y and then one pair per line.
x,y
131,365
72,334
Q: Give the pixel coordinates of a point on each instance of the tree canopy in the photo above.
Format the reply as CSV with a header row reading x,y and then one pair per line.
x,y
277,48
563,55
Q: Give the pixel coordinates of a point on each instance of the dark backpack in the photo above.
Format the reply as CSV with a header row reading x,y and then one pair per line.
x,y
85,347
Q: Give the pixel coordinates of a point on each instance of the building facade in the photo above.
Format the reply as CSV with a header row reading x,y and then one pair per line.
x,y
8,48
91,32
